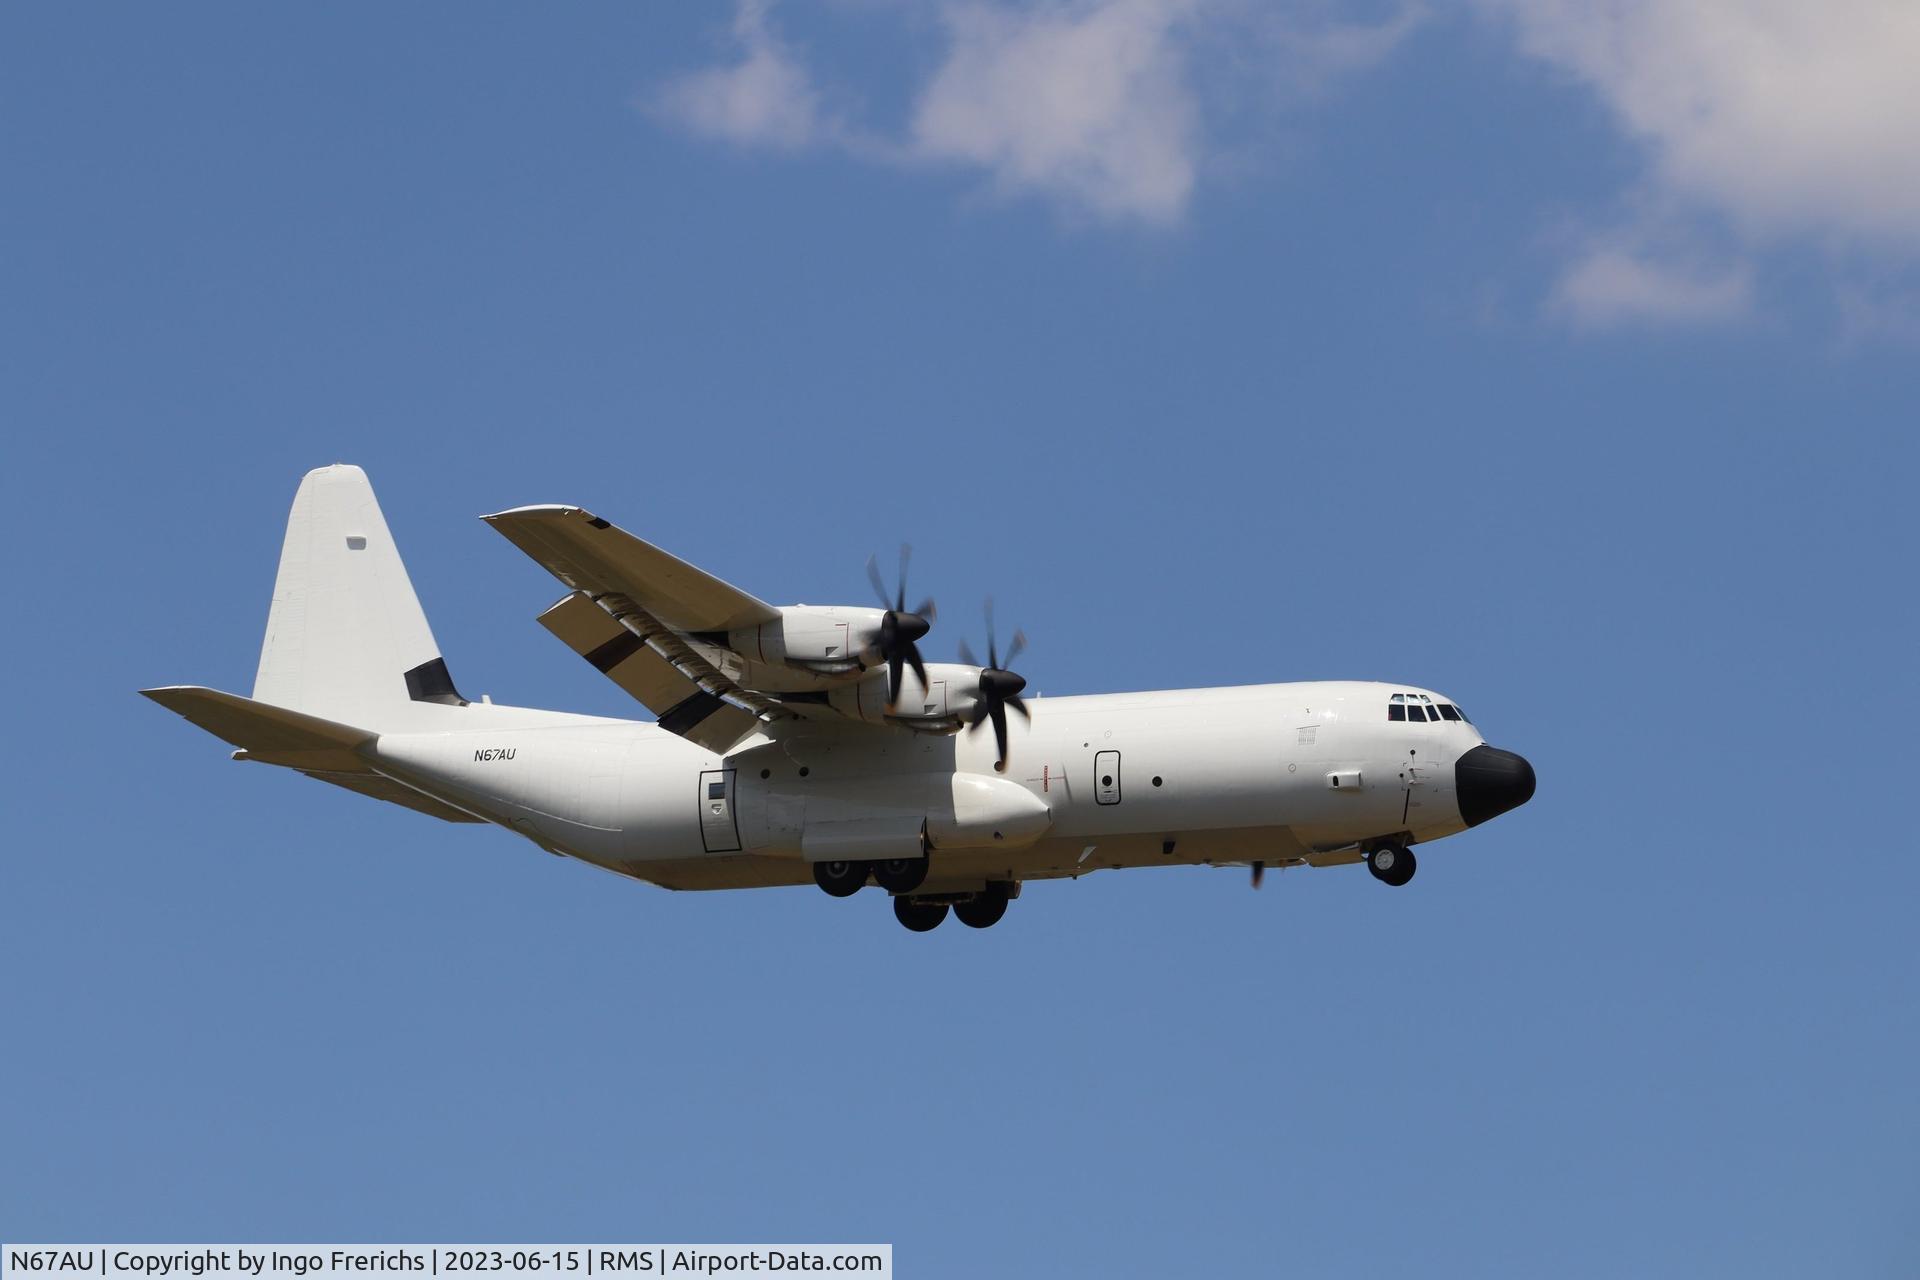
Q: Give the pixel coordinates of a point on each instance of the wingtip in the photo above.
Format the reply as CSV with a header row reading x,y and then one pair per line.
x,y
554,510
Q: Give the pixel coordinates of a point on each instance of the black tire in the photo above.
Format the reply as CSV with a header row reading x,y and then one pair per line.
x,y
900,875
841,879
982,912
1382,860
919,916
1408,865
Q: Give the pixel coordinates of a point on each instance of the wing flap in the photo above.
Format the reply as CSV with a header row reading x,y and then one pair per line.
x,y
681,704
588,554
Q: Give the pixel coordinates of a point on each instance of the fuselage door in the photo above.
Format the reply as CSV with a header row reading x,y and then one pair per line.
x,y
719,831
1422,769
1106,777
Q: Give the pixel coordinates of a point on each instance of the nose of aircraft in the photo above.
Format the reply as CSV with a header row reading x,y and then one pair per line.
x,y
1488,782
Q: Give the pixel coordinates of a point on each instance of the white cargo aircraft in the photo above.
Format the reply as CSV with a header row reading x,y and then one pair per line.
x,y
814,743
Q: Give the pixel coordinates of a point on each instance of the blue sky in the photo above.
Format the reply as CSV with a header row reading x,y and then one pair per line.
x,y
1558,357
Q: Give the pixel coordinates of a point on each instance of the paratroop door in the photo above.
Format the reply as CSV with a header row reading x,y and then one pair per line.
x,y
1106,777
719,830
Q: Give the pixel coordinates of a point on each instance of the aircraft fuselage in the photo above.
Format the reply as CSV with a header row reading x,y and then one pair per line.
x,y
1280,774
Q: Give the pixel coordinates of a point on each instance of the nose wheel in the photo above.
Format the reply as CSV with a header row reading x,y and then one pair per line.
x,y
1392,864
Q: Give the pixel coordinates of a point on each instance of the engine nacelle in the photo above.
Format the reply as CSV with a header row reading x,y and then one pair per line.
x,y
825,639
942,705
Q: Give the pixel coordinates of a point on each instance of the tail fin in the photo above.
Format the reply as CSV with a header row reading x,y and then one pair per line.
x,y
346,639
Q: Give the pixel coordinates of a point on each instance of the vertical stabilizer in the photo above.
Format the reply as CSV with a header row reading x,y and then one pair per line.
x,y
346,639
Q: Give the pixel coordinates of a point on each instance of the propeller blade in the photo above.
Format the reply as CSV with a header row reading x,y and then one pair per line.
x,y
999,715
1259,873
966,653
893,676
919,669
1014,649
873,576
1019,704
906,554
927,611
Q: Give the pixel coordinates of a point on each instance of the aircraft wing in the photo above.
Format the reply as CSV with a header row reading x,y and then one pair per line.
x,y
661,672
588,554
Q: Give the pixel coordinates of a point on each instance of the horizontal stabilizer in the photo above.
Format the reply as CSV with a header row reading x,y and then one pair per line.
x,y
269,734
588,554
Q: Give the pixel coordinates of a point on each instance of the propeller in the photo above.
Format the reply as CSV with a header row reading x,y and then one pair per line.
x,y
999,687
1259,873
896,641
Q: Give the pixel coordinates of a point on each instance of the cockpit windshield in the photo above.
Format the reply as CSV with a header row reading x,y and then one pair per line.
x,y
1421,709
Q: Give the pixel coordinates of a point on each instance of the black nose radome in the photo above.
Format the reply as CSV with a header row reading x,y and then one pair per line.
x,y
1489,781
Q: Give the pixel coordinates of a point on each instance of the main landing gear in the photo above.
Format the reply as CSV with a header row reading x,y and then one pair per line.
x,y
980,911
919,916
841,879
1391,864
901,876
845,878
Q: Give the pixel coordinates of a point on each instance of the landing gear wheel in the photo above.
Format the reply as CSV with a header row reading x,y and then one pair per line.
x,y
1392,864
900,875
841,879
982,912
919,916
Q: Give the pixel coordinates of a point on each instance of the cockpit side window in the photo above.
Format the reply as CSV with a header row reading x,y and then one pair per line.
x,y
1448,711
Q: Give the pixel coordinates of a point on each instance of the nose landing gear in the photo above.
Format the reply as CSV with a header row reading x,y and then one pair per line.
x,y
1392,864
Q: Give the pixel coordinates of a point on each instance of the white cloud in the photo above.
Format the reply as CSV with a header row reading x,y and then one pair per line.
x,y
766,97
1091,104
1787,116
1883,311
1763,121
1312,57
1610,285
